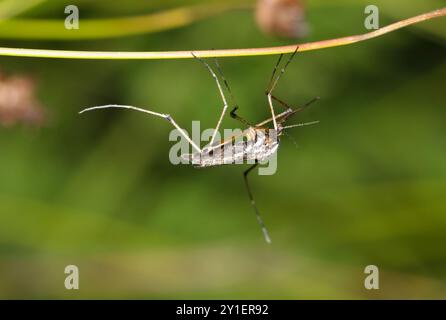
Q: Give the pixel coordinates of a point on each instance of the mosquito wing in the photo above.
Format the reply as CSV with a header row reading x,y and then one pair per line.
x,y
229,141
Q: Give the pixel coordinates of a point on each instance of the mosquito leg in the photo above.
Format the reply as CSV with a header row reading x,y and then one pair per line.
x,y
268,91
217,65
281,102
286,105
274,83
274,72
161,115
232,113
225,104
253,203
237,117
287,112
282,71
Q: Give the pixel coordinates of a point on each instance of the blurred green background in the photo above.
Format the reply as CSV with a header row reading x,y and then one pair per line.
x,y
365,186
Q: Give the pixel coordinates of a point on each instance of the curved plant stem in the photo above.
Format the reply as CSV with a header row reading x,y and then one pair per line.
x,y
42,53
46,29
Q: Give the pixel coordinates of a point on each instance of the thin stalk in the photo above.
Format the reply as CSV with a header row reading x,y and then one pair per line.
x,y
116,55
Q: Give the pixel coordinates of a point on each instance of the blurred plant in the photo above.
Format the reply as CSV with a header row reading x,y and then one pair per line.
x,y
282,18
116,27
11,8
18,103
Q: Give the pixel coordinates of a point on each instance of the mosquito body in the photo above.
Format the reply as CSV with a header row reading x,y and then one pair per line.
x,y
255,144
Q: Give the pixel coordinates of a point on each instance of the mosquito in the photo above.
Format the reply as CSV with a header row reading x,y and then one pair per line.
x,y
260,141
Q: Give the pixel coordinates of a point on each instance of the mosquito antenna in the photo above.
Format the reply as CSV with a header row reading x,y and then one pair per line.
x,y
301,124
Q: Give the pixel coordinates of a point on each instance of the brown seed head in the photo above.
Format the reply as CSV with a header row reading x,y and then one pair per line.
x,y
282,18
18,103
